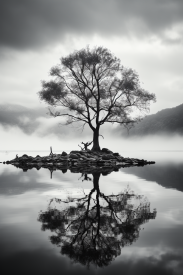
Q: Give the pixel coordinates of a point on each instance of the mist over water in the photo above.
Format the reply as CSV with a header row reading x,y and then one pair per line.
x,y
135,146
148,143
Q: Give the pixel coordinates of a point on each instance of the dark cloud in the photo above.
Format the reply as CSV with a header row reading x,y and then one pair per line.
x,y
25,24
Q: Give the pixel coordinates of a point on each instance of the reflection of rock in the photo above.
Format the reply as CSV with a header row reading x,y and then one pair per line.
x,y
93,229
80,161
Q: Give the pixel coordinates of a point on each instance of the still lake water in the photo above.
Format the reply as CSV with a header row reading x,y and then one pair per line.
x,y
32,241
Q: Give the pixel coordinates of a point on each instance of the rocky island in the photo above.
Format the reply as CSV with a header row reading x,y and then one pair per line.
x,y
84,161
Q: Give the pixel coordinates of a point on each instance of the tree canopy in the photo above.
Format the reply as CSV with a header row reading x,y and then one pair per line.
x,y
93,87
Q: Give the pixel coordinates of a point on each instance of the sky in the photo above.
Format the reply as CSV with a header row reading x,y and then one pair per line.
x,y
147,36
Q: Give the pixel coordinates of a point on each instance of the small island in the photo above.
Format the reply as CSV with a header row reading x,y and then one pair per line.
x,y
84,161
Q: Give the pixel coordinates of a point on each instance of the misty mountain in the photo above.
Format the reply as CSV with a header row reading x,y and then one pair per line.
x,y
167,121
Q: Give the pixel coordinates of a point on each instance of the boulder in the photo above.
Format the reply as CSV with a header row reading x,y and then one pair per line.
x,y
73,156
25,156
64,154
91,159
107,151
107,157
116,154
75,152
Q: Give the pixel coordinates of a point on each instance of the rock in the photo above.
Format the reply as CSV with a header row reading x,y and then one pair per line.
x,y
106,157
63,160
73,156
91,159
64,154
75,152
25,156
34,161
100,162
116,154
107,151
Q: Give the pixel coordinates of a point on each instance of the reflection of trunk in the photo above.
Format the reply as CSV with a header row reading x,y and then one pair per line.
x,y
96,146
96,177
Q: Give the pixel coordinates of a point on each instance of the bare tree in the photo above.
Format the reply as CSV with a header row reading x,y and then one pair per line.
x,y
93,88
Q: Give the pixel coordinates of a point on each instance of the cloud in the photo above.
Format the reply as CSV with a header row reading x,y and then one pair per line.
x,y
33,23
36,121
18,116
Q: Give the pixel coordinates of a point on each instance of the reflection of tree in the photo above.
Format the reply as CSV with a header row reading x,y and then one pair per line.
x,y
94,228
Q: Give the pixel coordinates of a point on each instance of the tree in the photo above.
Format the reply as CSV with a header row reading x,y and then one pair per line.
x,y
94,228
93,87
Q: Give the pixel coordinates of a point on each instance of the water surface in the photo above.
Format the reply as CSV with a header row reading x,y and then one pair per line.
x,y
33,243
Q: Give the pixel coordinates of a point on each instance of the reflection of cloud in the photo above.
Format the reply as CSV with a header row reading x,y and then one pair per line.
x,y
42,261
17,183
30,23
167,263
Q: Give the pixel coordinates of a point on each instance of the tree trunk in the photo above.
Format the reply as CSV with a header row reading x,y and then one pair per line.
x,y
96,146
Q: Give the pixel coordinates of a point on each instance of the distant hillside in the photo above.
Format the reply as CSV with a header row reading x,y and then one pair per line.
x,y
168,121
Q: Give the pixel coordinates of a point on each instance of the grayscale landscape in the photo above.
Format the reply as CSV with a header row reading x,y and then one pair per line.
x,y
91,131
